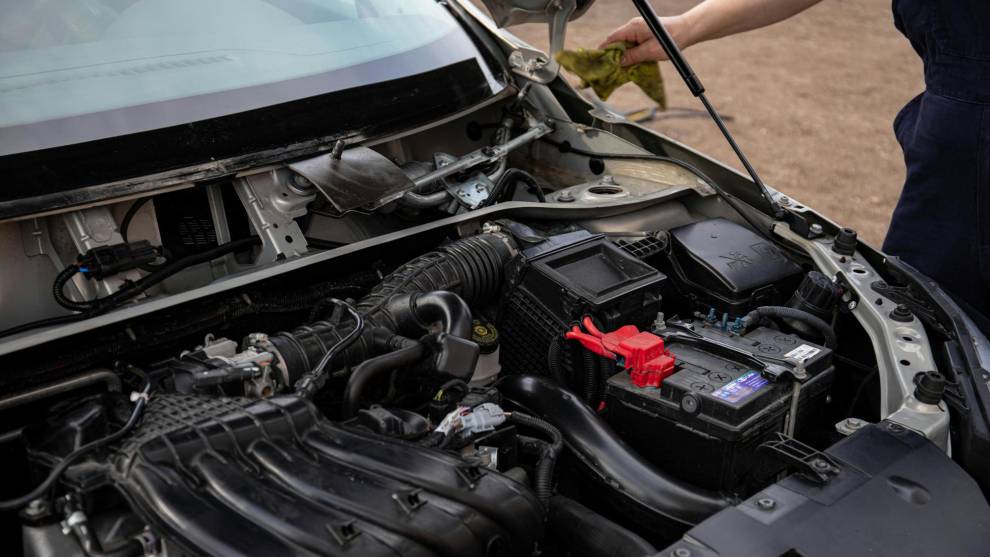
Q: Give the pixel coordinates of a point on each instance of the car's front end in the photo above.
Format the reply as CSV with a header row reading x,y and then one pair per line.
x,y
369,278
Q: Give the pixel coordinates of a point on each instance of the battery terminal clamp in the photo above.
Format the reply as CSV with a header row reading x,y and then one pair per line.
x,y
641,353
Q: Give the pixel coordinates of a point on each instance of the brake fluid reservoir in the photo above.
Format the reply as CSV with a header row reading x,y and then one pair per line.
x,y
486,336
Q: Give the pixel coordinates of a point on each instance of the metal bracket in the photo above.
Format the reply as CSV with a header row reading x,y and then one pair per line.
x,y
272,206
902,348
472,192
533,65
813,465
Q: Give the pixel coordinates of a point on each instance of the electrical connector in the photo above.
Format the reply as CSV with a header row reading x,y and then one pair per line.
x,y
104,261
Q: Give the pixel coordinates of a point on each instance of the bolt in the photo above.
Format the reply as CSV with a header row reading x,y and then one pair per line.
x,y
608,179
784,200
36,508
854,423
852,305
816,230
565,197
766,504
820,464
338,150
681,552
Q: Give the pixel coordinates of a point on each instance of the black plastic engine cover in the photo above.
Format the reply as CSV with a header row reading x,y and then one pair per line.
x,y
221,476
895,494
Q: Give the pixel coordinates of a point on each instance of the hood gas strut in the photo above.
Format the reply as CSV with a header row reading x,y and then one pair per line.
x,y
698,90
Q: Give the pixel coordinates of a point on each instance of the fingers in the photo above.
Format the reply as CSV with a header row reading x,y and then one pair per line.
x,y
629,32
648,51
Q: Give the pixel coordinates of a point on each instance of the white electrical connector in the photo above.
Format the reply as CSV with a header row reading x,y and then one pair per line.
x,y
484,417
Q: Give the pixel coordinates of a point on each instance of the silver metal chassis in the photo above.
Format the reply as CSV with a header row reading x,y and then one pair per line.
x,y
902,349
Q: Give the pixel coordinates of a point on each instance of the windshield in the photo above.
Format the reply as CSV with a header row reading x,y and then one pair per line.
x,y
79,70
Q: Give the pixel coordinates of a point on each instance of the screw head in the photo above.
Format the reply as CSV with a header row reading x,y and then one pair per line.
x,y
816,229
36,508
766,504
681,552
565,197
820,464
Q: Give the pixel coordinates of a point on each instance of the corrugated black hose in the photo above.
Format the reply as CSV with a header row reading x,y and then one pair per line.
x,y
543,480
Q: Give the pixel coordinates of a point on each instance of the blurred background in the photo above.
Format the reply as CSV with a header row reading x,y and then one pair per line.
x,y
811,101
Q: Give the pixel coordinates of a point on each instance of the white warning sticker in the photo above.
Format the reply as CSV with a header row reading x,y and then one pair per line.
x,y
803,353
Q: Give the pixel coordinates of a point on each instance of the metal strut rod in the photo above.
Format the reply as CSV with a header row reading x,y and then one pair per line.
x,y
698,90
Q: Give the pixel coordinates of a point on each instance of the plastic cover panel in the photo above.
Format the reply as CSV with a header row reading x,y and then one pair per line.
x,y
736,257
221,476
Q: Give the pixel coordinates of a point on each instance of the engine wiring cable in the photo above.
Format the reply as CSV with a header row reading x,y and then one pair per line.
x,y
129,290
312,380
507,184
125,222
140,402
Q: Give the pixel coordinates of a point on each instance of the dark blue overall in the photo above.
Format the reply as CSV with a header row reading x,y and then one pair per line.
x,y
941,225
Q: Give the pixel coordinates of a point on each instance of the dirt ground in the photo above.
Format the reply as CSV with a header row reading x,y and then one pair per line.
x,y
811,101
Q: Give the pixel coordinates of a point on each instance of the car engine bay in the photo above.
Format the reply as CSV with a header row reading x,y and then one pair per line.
x,y
554,342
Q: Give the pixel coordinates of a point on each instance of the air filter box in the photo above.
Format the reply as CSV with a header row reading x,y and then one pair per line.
x,y
719,264
557,282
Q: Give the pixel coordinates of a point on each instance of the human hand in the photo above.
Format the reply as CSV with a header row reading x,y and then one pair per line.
x,y
645,46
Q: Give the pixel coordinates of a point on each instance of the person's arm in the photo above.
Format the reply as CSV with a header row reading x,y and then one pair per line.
x,y
708,20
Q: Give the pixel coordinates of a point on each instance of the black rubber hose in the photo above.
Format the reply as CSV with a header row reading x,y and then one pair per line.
x,y
372,368
585,532
471,268
816,323
614,464
414,313
543,480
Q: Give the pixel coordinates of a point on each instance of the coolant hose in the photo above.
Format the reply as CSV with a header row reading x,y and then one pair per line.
x,y
608,458
586,532
411,353
816,323
543,482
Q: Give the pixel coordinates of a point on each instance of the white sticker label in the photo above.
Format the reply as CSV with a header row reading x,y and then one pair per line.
x,y
803,353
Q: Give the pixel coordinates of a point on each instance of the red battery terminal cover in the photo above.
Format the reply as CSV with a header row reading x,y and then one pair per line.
x,y
642,354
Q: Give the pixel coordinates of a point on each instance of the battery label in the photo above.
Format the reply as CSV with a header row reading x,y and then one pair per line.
x,y
741,388
803,353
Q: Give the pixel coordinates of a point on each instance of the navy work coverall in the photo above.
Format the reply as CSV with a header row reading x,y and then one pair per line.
x,y
941,225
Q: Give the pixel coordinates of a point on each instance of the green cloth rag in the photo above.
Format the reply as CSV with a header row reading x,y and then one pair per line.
x,y
602,70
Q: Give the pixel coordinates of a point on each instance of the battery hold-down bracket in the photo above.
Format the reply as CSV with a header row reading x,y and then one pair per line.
x,y
641,353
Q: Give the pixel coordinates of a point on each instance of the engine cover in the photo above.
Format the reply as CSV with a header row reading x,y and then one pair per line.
x,y
223,476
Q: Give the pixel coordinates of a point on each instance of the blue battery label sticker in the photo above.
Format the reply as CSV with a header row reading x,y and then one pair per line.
x,y
741,388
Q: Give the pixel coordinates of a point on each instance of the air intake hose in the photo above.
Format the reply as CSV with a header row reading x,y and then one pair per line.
x,y
607,457
436,287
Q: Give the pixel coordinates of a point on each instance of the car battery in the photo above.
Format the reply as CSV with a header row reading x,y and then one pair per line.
x,y
706,421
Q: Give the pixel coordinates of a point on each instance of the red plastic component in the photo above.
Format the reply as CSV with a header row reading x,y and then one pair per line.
x,y
642,354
